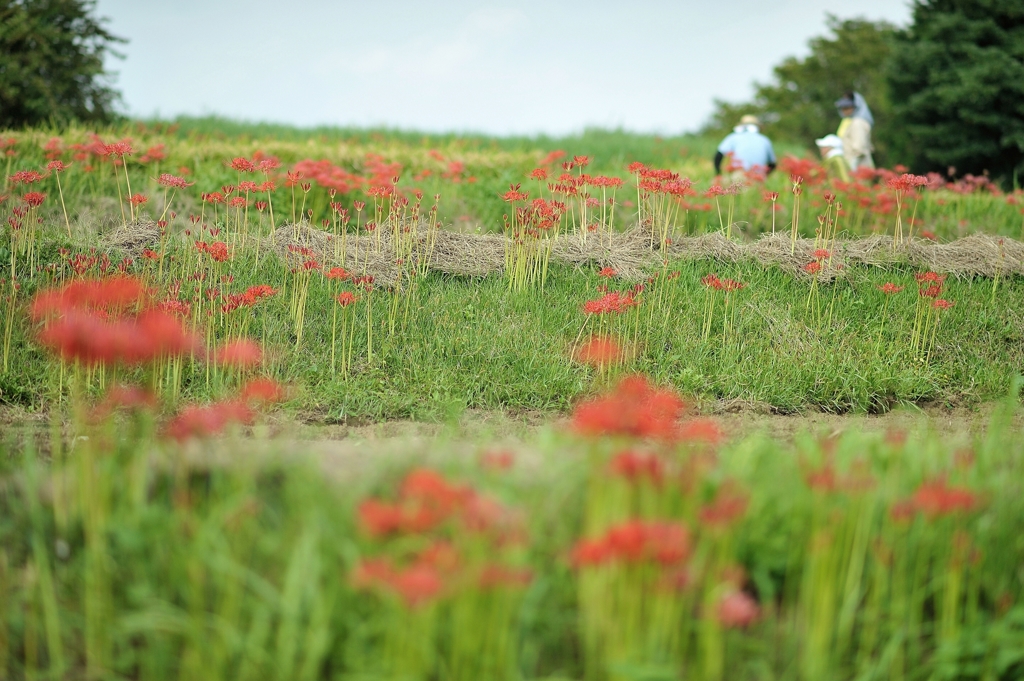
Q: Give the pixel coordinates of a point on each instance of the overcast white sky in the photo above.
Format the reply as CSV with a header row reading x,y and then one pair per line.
x,y
511,67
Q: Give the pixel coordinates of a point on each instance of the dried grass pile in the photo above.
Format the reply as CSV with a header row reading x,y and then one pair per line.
x,y
633,254
132,239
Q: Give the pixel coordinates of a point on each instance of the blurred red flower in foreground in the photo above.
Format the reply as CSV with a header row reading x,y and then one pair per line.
x,y
599,351
195,421
634,541
737,610
240,353
634,408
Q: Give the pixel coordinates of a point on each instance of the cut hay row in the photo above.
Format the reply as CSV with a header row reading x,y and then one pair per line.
x,y
634,254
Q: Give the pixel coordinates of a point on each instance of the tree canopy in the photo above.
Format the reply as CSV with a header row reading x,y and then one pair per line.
x,y
957,83
51,63
798,104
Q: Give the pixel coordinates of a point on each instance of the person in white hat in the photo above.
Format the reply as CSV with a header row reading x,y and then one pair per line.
x,y
747,148
831,148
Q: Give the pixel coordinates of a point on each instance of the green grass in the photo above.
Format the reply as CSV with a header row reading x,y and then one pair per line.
x,y
471,343
124,556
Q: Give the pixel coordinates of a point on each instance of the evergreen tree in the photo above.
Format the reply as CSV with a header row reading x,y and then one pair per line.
x,y
957,84
799,104
51,63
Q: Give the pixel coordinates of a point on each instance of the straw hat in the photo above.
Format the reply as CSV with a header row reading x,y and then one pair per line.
x,y
750,120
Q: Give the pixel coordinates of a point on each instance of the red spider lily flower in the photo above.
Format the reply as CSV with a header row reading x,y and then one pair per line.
x,y
636,466
599,352
241,354
417,585
138,199
132,398
497,461
338,273
936,498
712,281
114,295
737,610
150,254
730,285
932,291
242,165
729,505
218,251
515,195
636,167
635,541
122,149
262,391
196,421
701,430
25,177
942,304
346,298
539,174
173,181
176,307
613,302
822,253
268,164
608,272
34,199
57,166
260,206
812,267
889,288
930,278
237,202
713,191
634,408
91,339
248,186
493,576
213,197
771,196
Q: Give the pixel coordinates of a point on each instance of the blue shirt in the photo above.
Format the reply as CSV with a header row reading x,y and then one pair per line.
x,y
748,148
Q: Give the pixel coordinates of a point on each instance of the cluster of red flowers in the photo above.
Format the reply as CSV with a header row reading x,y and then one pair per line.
x,y
929,285
636,541
936,498
728,285
905,183
889,288
634,408
426,502
429,504
86,321
218,250
636,466
248,298
613,302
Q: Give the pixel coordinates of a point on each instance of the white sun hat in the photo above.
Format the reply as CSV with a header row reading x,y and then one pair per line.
x,y
831,141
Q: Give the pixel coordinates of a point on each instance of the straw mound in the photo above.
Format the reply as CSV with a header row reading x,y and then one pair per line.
x,y
132,239
971,256
356,254
632,254
472,255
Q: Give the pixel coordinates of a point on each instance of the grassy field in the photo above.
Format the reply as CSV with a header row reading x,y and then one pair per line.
x,y
468,342
152,527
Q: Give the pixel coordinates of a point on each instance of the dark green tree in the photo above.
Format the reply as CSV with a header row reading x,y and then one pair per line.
x,y
798,105
51,63
957,82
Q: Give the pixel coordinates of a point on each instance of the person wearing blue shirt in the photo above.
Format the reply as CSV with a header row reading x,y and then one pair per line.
x,y
747,148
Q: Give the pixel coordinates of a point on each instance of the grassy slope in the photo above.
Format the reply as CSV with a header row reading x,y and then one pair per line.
x,y
470,343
